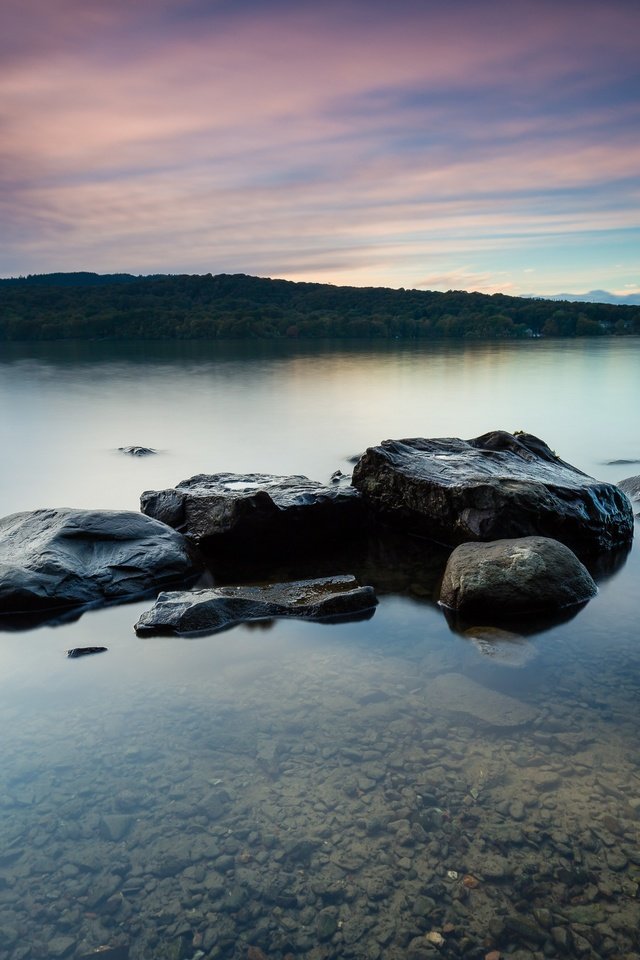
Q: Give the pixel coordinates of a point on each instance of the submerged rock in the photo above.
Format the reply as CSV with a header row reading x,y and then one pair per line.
x,y
58,558
523,575
222,607
269,514
454,693
495,486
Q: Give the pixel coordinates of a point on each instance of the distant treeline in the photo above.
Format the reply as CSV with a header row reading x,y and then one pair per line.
x,y
88,306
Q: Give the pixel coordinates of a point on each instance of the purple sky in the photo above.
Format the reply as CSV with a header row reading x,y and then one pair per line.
x,y
474,145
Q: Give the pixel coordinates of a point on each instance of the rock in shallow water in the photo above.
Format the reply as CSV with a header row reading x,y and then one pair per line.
x,y
268,513
222,607
524,575
58,558
495,486
136,451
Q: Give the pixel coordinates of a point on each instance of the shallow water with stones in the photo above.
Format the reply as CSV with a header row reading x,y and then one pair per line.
x,y
321,790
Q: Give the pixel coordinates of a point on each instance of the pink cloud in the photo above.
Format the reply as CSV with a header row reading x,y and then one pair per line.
x,y
302,138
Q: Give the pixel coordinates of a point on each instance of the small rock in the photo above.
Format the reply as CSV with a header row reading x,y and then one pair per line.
x,y
525,928
135,451
85,651
326,923
435,937
60,946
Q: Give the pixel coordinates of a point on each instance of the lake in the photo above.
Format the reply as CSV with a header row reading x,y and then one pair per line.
x,y
303,790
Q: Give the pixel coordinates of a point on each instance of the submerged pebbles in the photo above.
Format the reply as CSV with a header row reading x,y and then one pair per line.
x,y
323,808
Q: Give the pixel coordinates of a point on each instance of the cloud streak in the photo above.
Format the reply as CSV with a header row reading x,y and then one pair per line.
x,y
314,144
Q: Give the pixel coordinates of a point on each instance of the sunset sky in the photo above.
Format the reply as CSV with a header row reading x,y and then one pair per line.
x,y
470,145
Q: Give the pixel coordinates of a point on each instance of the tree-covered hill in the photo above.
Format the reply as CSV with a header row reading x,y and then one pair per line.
x,y
89,306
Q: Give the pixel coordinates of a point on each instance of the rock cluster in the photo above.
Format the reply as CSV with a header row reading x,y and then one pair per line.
x,y
496,487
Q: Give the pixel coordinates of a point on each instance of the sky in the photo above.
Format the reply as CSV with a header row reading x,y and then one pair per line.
x,y
465,144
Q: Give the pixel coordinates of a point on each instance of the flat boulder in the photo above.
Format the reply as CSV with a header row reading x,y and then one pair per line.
x,y
268,514
66,558
494,486
507,577
215,609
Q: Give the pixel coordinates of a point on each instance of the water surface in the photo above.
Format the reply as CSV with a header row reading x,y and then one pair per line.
x,y
306,790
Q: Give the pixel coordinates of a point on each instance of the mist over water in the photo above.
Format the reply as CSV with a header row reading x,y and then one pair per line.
x,y
310,790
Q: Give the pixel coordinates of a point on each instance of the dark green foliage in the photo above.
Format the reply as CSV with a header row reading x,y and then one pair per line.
x,y
87,306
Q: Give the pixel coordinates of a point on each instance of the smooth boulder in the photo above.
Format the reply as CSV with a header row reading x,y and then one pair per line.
x,y
218,608
494,486
266,513
507,577
66,557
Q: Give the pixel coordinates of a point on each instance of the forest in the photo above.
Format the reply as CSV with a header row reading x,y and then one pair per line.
x,y
90,306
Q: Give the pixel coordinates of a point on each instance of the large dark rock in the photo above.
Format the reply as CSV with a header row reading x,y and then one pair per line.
x,y
221,607
505,577
495,486
60,558
257,512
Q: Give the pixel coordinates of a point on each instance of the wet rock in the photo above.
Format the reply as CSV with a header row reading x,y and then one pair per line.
x,y
222,607
84,652
234,897
616,860
493,487
115,826
107,953
326,923
526,928
135,451
587,914
60,946
457,694
103,888
524,575
421,949
494,867
213,804
58,558
631,486
264,513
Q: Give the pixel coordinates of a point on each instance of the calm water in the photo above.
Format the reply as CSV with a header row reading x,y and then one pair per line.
x,y
308,790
